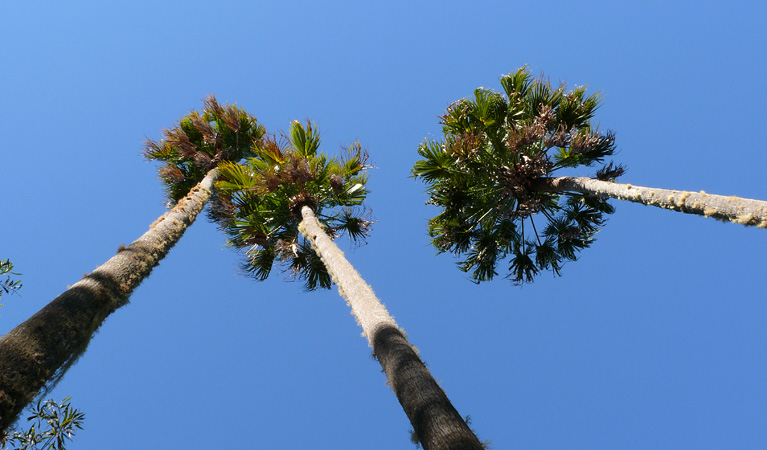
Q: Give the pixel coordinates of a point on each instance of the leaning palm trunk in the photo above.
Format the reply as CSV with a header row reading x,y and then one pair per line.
x,y
436,422
40,350
734,209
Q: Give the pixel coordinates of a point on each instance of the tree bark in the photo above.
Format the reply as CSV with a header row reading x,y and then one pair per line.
x,y
734,209
436,422
39,351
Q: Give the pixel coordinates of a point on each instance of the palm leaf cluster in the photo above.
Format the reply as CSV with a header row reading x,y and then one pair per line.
x,y
199,142
483,175
259,202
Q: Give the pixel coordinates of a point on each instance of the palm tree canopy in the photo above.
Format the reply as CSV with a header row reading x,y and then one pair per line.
x,y
259,202
482,175
199,142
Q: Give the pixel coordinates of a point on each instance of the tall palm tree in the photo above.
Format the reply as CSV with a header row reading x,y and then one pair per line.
x,y
287,205
493,178
38,352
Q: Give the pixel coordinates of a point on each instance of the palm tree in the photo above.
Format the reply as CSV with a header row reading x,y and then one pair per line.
x,y
287,205
492,177
38,352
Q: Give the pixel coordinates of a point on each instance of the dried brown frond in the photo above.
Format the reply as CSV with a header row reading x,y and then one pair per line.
x,y
204,161
466,145
545,116
560,138
297,170
151,149
171,174
202,125
272,147
520,137
229,114
210,104
272,182
518,181
584,142
610,172
177,138
255,237
336,183
231,118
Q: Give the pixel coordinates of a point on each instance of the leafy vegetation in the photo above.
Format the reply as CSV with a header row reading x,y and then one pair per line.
x,y
7,284
258,203
53,424
484,173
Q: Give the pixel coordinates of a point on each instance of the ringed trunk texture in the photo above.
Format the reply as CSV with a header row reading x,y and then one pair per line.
x,y
733,209
436,422
43,347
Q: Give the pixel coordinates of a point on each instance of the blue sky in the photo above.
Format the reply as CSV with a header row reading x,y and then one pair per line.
x,y
655,338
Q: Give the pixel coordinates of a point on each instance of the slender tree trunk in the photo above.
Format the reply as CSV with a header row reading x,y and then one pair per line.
x,y
41,349
734,209
436,422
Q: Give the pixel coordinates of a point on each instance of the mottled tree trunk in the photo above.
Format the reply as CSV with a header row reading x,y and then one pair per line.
x,y
41,349
436,422
734,209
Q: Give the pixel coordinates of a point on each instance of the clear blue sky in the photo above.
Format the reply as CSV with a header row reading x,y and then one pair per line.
x,y
655,338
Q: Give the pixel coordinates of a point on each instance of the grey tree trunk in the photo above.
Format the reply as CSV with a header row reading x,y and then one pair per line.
x,y
436,422
37,352
734,209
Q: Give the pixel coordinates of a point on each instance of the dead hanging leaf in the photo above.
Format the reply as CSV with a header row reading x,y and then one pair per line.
x,y
272,182
202,125
336,183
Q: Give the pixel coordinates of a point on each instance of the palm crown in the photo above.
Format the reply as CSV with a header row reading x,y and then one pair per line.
x,y
483,176
200,142
259,202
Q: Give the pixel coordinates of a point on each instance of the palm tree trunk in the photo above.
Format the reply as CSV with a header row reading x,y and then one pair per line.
x,y
37,352
734,209
436,422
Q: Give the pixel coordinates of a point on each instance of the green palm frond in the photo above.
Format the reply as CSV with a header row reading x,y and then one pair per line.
x,y
481,258
437,163
483,174
352,222
306,141
236,177
259,202
517,84
259,262
306,265
546,255
523,269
